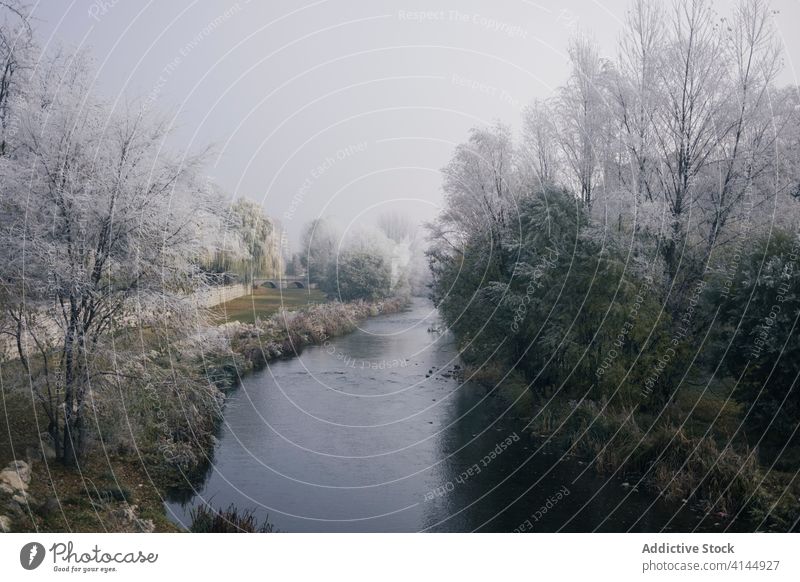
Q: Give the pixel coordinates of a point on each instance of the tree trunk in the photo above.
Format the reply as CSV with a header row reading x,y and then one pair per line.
x,y
69,455
73,437
55,436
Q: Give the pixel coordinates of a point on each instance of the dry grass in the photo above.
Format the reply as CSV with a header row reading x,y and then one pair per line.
x,y
231,520
264,303
285,334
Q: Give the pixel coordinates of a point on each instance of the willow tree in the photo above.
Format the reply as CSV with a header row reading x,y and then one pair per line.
x,y
248,244
260,238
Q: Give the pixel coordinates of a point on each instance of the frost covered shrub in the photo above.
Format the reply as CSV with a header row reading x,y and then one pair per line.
x,y
162,407
285,334
359,275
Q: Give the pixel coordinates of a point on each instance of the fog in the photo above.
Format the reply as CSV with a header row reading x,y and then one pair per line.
x,y
345,110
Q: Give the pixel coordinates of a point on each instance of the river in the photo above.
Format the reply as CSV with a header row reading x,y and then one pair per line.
x,y
375,433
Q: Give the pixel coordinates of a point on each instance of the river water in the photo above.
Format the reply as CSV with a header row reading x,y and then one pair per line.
x,y
374,433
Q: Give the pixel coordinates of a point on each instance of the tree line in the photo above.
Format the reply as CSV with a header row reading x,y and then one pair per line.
x,y
639,240
368,262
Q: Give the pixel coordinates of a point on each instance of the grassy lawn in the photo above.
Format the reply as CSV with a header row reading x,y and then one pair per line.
x,y
264,302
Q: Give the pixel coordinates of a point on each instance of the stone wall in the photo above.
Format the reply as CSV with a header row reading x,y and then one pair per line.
x,y
218,295
209,298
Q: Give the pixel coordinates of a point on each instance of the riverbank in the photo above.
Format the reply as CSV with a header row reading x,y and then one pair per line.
x,y
158,432
391,438
690,452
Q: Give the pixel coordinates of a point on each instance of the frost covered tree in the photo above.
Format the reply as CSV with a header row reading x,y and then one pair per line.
x,y
359,274
245,245
99,226
480,184
686,132
634,91
397,227
582,114
540,143
320,239
746,127
16,43
407,256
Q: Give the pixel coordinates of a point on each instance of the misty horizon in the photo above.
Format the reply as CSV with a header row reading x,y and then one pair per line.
x,y
376,94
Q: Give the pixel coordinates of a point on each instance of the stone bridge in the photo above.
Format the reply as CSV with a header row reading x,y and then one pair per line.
x,y
284,282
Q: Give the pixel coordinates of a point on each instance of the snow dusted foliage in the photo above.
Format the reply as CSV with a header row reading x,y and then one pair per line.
x,y
540,148
366,265
366,261
16,60
243,243
100,225
481,184
582,118
102,210
680,145
320,241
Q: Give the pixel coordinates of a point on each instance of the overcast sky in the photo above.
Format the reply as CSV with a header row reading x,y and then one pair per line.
x,y
339,108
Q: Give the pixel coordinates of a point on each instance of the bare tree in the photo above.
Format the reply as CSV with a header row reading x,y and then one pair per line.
x,y
746,125
686,130
635,89
787,118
